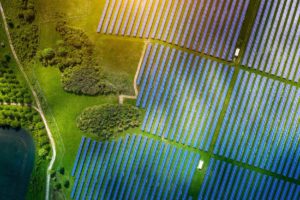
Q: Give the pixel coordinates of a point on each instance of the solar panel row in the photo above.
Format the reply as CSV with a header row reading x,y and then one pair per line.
x,y
177,22
273,46
183,95
134,167
261,125
226,181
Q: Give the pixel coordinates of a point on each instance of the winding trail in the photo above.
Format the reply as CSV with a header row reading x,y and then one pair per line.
x,y
37,101
136,91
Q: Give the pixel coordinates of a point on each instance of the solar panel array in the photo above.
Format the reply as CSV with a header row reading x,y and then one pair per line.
x,y
227,181
134,167
183,95
273,46
212,26
261,125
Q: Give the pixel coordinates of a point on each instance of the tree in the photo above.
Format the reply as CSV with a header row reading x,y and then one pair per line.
x,y
57,186
15,124
42,152
29,15
48,53
7,57
86,80
106,120
62,170
67,184
10,24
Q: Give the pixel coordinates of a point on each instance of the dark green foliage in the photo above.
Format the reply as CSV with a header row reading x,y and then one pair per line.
x,y
67,54
57,186
62,170
67,184
75,48
24,30
24,34
21,117
106,120
93,80
74,56
48,53
29,15
53,174
10,23
46,56
121,82
59,180
7,58
25,41
10,88
86,80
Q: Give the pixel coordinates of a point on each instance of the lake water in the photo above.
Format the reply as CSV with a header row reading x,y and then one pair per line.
x,y
16,163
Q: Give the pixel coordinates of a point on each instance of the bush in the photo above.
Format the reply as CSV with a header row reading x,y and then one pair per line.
x,y
25,40
15,124
29,15
62,170
42,152
46,56
57,186
67,184
7,57
10,24
53,174
48,53
106,120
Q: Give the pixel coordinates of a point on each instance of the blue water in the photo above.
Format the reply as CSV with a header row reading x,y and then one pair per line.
x,y
16,163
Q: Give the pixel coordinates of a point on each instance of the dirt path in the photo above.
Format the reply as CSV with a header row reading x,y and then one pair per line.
x,y
38,104
136,91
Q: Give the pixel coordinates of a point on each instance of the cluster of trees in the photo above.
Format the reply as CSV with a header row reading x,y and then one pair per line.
x,y
109,119
27,12
81,74
75,49
25,32
86,80
60,179
26,117
15,116
11,91
33,123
